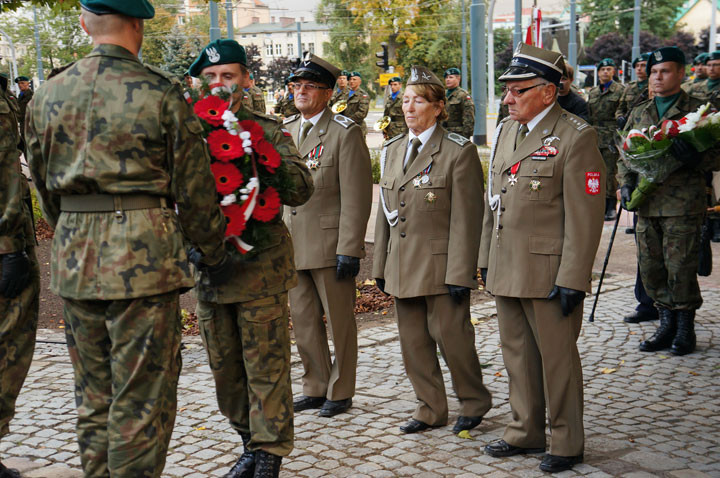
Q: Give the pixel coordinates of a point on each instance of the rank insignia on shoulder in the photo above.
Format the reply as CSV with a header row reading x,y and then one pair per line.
x,y
458,139
290,119
344,121
393,139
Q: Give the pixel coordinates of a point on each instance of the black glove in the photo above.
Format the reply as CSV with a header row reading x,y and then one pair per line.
x,y
626,195
347,266
221,272
684,152
15,274
458,293
569,298
483,274
380,283
194,256
621,122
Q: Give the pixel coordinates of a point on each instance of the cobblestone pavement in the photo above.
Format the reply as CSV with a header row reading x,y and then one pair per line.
x,y
646,414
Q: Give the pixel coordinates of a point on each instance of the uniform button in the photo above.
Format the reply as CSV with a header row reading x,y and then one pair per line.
x,y
502,208
294,212
402,234
503,190
402,203
534,170
500,226
402,188
402,218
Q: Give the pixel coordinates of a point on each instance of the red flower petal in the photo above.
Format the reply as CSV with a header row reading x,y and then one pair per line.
x,y
268,156
268,205
234,222
225,146
228,178
256,131
211,109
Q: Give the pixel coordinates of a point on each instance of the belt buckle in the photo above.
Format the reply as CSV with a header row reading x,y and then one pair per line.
x,y
117,203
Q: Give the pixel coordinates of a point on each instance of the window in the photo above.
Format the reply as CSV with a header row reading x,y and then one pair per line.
x,y
268,49
278,49
244,36
290,49
311,47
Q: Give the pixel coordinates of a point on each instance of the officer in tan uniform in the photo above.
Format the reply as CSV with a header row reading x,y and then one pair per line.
x,y
427,236
543,220
329,237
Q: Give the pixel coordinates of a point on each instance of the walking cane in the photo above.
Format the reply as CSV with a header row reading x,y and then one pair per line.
x,y
607,258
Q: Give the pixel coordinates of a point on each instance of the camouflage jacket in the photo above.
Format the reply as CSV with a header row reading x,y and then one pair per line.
x,y
702,90
271,270
338,95
601,112
109,125
694,87
357,109
16,232
253,100
285,107
461,113
631,97
23,101
683,192
393,109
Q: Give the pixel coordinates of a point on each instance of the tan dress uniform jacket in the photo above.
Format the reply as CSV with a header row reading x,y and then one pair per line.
x,y
433,244
331,223
547,234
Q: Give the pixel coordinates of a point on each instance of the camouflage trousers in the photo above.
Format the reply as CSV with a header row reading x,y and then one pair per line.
x,y
610,158
248,346
668,252
18,326
126,359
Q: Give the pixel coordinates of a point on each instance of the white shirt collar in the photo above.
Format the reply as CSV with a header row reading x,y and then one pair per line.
x,y
314,120
534,122
424,137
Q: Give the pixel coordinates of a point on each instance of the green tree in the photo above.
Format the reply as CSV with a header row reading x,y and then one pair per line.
x,y
608,16
157,30
179,51
347,47
56,5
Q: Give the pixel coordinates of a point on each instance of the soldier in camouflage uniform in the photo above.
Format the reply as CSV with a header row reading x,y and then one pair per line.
x,y
341,89
668,229
244,324
459,106
695,86
253,99
115,150
285,106
26,94
603,101
635,92
393,109
19,271
358,103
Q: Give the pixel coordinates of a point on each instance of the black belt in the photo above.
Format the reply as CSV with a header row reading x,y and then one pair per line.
x,y
110,202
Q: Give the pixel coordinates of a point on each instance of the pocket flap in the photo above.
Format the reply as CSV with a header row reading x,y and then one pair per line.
x,y
387,182
434,182
537,168
329,221
439,246
546,245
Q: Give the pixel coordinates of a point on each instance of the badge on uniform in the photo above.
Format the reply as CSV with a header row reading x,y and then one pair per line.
x,y
423,177
313,161
592,183
535,185
430,197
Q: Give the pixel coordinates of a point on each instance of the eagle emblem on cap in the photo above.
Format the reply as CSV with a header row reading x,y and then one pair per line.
x,y
426,76
307,58
658,55
213,54
413,74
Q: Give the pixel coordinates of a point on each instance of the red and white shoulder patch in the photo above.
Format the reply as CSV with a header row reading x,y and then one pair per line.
x,y
286,132
592,183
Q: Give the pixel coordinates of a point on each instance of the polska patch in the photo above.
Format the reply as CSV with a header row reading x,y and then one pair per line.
x,y
592,183
285,132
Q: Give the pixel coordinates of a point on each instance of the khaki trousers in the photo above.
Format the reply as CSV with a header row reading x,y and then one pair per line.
x,y
320,293
540,353
424,324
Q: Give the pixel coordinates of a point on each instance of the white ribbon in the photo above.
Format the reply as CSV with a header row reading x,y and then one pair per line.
x,y
391,216
494,199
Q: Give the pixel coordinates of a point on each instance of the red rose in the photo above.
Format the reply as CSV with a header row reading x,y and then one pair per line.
x,y
267,206
268,156
225,146
256,131
211,109
228,178
234,222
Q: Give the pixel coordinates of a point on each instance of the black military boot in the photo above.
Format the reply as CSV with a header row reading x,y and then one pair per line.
x,y
267,465
715,223
610,212
8,472
684,342
245,466
664,334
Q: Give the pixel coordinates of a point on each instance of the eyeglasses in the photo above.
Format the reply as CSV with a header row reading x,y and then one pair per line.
x,y
518,92
308,86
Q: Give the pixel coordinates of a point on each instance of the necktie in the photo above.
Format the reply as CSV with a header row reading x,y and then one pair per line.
x,y
304,131
414,146
522,132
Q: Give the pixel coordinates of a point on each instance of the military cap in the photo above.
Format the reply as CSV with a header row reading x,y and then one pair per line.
x,y
419,75
395,78
354,73
713,56
532,62
4,75
219,52
287,81
132,8
315,68
643,57
452,71
606,62
21,78
667,53
345,73
701,59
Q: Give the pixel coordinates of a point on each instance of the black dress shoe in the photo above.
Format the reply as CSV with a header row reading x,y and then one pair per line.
x,y
555,464
630,230
466,423
243,468
502,448
414,426
636,317
306,403
332,407
8,472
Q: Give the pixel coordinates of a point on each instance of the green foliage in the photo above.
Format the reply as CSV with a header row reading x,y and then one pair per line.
x,y
179,51
37,210
617,16
56,5
375,165
347,48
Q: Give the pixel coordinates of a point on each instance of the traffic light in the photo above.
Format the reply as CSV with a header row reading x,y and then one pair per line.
x,y
383,55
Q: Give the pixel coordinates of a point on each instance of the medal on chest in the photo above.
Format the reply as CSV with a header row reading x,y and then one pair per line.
x,y
512,180
313,161
423,177
547,151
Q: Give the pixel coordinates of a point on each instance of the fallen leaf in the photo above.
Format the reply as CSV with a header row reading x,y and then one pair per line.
x,y
693,373
631,440
608,370
200,428
465,434
182,409
474,321
663,356
690,393
622,362
368,282
498,374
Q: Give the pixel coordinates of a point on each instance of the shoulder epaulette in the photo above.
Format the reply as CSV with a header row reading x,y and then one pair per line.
x,y
290,119
59,69
267,117
577,122
344,121
393,139
457,139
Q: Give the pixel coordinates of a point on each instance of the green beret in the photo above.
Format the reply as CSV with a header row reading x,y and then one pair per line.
x,y
395,78
606,62
354,73
701,59
345,73
713,56
21,78
5,75
643,57
132,8
219,52
452,71
287,81
666,53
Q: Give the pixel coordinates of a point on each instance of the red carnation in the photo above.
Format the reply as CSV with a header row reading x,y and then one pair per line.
x,y
267,206
225,146
211,109
256,131
268,156
228,178
234,221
